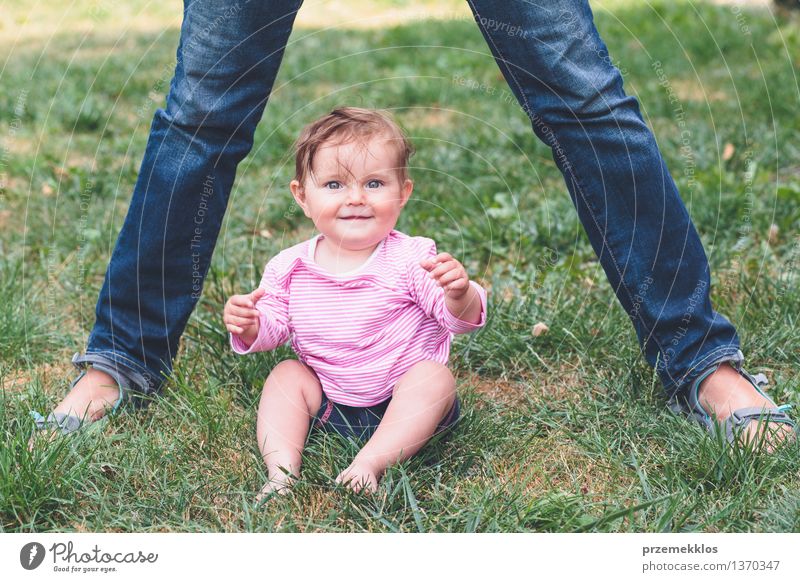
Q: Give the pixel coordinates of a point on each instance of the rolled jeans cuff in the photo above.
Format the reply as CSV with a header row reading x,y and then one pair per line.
x,y
730,354
132,379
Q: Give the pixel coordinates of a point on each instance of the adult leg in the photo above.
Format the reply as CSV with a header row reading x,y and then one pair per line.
x,y
559,69
227,61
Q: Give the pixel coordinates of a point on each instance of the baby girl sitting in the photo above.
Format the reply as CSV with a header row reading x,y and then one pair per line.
x,y
370,311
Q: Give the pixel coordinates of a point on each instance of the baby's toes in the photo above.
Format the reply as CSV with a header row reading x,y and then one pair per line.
x,y
371,485
272,488
364,483
358,481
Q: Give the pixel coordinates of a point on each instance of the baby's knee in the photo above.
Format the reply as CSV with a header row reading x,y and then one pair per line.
x,y
432,379
445,387
287,371
438,374
292,377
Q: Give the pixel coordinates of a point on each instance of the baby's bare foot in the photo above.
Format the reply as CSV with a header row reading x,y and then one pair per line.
x,y
726,390
279,484
360,476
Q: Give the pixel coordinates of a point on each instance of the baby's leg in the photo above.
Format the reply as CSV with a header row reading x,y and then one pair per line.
x,y
421,399
292,395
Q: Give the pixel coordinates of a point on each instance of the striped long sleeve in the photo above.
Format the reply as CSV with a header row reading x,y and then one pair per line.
x,y
430,296
273,320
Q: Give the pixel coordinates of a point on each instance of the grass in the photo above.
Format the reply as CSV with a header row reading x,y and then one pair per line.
x,y
566,431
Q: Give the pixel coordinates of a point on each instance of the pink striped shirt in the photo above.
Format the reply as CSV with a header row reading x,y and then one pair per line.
x,y
360,331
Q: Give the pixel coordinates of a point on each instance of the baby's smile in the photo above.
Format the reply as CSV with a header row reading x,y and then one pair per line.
x,y
355,195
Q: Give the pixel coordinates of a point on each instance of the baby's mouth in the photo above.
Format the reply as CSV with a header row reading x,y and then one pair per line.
x,y
355,217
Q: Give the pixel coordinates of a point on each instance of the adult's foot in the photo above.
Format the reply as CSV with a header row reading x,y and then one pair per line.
x,y
88,400
726,390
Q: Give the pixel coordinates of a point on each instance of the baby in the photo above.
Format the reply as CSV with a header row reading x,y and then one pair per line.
x,y
370,311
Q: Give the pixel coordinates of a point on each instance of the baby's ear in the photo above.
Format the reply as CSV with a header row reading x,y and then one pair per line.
x,y
297,190
408,188
299,193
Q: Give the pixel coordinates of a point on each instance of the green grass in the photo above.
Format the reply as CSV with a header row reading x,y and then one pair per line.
x,y
563,432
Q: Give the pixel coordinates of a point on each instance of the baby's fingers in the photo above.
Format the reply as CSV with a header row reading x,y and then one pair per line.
x,y
239,301
443,268
240,321
453,277
256,295
242,311
454,280
429,264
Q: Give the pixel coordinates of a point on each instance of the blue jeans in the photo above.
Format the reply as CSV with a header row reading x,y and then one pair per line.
x,y
559,70
361,422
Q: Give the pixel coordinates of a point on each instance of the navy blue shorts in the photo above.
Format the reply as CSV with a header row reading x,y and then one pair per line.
x,y
361,422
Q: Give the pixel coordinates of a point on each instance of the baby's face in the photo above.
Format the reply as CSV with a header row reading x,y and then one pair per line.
x,y
355,194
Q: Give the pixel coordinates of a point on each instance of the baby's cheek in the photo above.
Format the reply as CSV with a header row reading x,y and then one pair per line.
x,y
330,207
390,210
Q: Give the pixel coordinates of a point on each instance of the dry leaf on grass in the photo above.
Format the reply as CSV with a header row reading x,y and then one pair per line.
x,y
728,151
540,329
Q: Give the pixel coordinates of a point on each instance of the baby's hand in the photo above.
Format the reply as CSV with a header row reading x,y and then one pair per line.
x,y
448,273
241,316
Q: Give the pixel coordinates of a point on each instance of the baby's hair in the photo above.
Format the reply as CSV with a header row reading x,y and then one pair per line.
x,y
344,125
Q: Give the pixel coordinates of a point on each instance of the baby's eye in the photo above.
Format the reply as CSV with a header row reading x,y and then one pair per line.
x,y
374,184
333,185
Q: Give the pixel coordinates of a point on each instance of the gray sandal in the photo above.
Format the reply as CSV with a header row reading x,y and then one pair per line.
x,y
739,419
69,423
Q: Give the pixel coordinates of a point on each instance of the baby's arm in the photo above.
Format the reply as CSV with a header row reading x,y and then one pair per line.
x,y
441,287
461,299
259,321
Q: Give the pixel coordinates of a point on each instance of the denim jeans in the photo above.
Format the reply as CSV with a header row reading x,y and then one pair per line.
x,y
559,70
361,422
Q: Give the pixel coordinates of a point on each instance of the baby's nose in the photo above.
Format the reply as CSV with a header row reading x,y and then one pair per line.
x,y
356,196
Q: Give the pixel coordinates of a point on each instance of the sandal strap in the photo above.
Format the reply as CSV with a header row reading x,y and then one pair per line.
x,y
742,417
755,412
100,363
69,423
64,423
690,405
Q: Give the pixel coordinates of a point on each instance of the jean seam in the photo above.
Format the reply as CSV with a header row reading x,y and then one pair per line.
x,y
579,187
327,414
262,103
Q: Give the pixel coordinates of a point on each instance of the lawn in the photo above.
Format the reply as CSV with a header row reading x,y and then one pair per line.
x,y
565,431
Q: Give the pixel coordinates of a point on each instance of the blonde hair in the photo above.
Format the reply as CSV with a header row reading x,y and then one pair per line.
x,y
346,124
